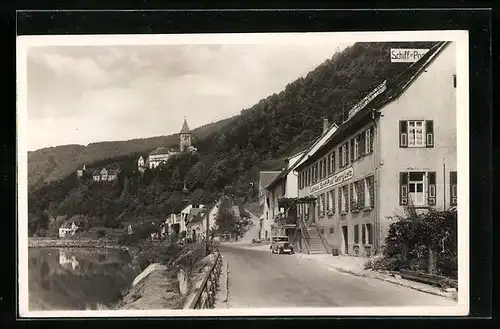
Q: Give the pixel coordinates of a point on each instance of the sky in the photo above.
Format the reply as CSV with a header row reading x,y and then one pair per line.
x,y
84,94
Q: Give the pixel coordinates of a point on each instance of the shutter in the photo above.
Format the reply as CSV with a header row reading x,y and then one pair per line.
x,y
453,188
340,157
363,234
403,188
403,133
351,196
328,161
327,201
431,188
371,187
362,139
429,131
333,162
351,151
361,194
372,136
332,197
340,199
346,193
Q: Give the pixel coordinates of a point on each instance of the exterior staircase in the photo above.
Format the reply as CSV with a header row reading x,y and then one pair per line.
x,y
315,242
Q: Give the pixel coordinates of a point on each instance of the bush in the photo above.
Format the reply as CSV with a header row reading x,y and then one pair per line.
x,y
101,233
414,236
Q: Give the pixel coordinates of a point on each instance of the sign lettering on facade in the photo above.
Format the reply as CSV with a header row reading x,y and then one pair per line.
x,y
374,93
333,180
403,55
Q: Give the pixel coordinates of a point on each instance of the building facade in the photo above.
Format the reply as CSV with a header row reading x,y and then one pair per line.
x,y
265,177
397,149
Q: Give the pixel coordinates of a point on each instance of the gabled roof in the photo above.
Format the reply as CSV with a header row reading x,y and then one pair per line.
x,y
185,128
285,171
266,177
393,89
159,151
96,173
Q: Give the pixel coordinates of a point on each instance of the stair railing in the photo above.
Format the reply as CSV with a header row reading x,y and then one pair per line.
x,y
305,233
322,238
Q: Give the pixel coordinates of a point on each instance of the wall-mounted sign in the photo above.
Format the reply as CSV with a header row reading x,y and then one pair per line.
x,y
403,55
374,93
333,180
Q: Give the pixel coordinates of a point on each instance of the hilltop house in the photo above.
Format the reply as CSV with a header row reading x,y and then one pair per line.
x,y
162,154
106,174
81,172
67,229
396,148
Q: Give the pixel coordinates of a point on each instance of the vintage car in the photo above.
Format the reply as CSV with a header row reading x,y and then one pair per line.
x,y
281,245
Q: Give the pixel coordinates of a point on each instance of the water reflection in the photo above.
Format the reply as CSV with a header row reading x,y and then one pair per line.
x,y
76,279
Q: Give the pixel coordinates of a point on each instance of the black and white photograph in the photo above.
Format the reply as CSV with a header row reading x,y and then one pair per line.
x,y
243,174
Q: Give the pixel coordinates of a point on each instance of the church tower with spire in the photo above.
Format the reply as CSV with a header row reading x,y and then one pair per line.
x,y
185,137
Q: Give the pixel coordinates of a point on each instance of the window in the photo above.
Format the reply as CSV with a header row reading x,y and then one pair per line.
x,y
332,162
323,167
327,201
323,205
332,200
368,141
343,153
356,147
454,81
316,172
320,165
356,234
416,133
363,234
343,199
418,188
453,188
369,199
353,196
369,231
331,230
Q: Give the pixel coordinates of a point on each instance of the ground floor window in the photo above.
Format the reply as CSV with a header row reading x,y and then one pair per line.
x,y
417,188
356,234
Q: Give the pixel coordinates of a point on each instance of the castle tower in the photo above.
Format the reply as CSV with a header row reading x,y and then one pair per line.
x,y
185,137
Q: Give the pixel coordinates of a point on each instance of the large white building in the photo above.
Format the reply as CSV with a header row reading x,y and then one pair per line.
x,y
162,154
397,147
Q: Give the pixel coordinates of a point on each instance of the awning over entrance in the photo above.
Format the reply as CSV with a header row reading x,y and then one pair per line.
x,y
288,202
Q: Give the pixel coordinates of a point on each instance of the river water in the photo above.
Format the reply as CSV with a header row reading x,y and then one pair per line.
x,y
76,278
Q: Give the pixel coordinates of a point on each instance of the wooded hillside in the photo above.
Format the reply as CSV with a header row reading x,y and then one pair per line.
x,y
231,156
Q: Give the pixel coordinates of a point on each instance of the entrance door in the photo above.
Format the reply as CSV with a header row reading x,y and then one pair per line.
x,y
345,237
312,213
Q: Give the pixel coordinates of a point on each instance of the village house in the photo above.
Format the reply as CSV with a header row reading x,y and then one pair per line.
x,y
106,174
96,175
68,228
81,172
396,148
141,165
285,185
196,225
265,177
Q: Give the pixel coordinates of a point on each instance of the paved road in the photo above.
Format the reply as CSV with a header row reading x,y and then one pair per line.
x,y
258,278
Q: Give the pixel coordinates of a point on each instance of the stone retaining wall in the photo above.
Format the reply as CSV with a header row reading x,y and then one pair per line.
x,y
68,243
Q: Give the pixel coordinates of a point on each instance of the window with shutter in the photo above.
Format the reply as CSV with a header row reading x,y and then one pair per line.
x,y
345,192
403,188
352,196
429,130
369,232
453,188
332,199
431,188
351,151
362,146
403,133
361,194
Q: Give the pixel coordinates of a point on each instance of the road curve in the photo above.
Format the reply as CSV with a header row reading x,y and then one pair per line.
x,y
258,278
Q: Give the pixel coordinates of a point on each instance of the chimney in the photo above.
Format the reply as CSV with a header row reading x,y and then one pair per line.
x,y
325,125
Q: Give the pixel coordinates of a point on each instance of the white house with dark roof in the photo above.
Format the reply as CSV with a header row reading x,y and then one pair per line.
x,y
162,154
397,147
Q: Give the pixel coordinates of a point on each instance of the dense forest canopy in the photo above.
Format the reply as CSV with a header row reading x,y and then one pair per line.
x,y
230,157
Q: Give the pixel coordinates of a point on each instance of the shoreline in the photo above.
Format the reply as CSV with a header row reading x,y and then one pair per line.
x,y
69,243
